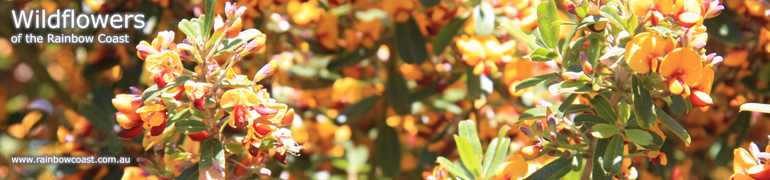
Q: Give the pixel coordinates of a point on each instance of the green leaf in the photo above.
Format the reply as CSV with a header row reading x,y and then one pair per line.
x,y
351,59
611,14
429,3
642,104
553,170
613,157
604,108
638,136
396,90
452,168
589,120
187,28
601,149
190,126
208,20
468,131
388,151
515,31
722,28
496,152
114,144
211,154
191,173
540,112
673,126
228,45
660,30
234,147
150,93
354,112
592,19
236,83
562,22
484,18
624,110
546,13
594,51
447,33
756,107
534,81
632,24
474,83
565,105
411,45
470,160
604,130
542,54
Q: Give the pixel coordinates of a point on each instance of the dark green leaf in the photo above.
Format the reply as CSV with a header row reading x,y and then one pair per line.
x,y
355,112
452,168
613,157
211,154
565,105
411,45
534,81
190,126
722,28
351,59
553,170
447,33
181,115
604,108
468,131
234,147
589,120
429,3
474,83
601,148
191,173
638,136
388,149
673,126
642,104
396,90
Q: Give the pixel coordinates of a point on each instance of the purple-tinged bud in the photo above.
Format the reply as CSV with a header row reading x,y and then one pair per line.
x,y
570,76
528,132
539,126
699,46
554,137
551,121
567,154
754,149
716,61
134,90
715,11
240,11
145,163
229,9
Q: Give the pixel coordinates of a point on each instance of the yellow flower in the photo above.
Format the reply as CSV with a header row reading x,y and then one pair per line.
x,y
683,68
651,10
154,117
164,67
327,31
239,100
398,9
644,52
484,52
515,72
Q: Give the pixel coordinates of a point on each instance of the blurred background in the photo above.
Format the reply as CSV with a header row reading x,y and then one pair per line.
x,y
336,59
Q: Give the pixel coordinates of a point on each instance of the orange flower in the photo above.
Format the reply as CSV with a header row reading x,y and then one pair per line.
x,y
651,10
154,117
644,52
746,165
484,52
398,9
683,68
137,173
196,92
371,31
127,104
515,167
701,90
239,100
303,13
164,67
327,31
515,72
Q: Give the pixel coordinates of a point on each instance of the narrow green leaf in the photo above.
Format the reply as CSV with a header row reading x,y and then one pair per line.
x,y
565,105
411,44
553,170
542,54
151,93
547,14
396,90
589,120
190,126
540,112
638,136
515,31
562,22
452,168
429,3
499,151
186,27
354,112
613,157
351,59
228,45
534,81
208,20
723,29
236,83
388,149
604,108
673,126
114,144
447,33
642,104
756,107
468,131
599,151
468,157
624,110
604,130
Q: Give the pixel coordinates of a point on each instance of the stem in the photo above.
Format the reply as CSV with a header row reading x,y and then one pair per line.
x,y
589,168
